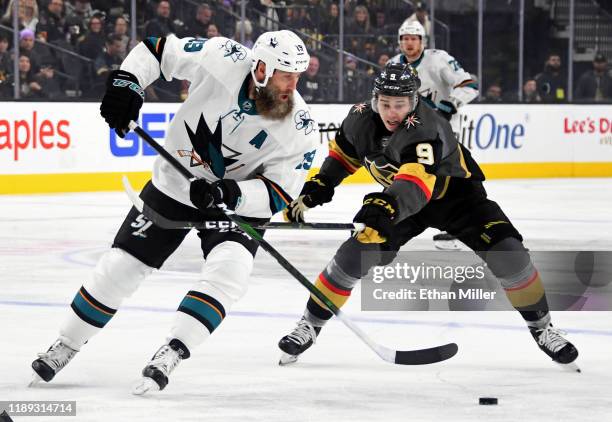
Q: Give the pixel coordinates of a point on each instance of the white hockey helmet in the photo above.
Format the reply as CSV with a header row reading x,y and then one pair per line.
x,y
282,50
410,28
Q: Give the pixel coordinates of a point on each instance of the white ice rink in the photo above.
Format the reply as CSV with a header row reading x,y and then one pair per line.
x,y
49,244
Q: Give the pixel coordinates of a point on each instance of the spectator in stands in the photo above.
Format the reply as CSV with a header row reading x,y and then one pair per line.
x,y
311,85
383,30
304,21
493,94
551,83
370,53
383,59
77,16
316,12
530,92
121,29
27,14
595,84
28,87
36,51
357,29
212,31
26,48
112,9
331,24
198,26
354,83
51,21
91,45
161,25
49,82
269,16
5,56
248,33
422,17
110,59
6,67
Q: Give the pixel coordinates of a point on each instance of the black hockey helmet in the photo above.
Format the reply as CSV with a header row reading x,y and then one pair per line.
x,y
397,80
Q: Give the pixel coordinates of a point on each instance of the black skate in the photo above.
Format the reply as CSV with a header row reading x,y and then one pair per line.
x,y
155,374
551,341
51,362
298,341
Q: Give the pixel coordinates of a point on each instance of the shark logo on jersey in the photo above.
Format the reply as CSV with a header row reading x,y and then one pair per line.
x,y
207,148
303,121
234,50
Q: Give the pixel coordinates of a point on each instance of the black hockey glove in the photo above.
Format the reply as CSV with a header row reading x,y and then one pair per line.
x,y
317,191
206,195
122,101
377,214
447,109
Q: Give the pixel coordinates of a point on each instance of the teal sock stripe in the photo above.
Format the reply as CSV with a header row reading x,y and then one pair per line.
x,y
204,309
90,310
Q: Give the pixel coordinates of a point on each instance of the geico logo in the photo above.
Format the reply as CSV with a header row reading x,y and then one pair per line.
x,y
487,133
132,145
20,135
588,125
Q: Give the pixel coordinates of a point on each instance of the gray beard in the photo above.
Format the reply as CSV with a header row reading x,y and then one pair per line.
x,y
270,108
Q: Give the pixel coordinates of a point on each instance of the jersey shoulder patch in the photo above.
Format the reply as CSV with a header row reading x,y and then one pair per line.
x,y
231,50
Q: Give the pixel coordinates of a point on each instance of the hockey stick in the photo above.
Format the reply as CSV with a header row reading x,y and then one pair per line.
x,y
166,223
402,357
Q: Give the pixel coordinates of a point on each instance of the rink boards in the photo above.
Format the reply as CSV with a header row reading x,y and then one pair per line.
x,y
67,147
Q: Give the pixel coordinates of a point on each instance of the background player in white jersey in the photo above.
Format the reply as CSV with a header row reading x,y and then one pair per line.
x,y
445,85
247,134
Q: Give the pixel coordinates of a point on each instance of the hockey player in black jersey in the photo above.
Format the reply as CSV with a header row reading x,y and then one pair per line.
x,y
429,180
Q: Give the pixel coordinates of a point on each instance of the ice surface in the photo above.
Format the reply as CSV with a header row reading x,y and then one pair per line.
x,y
49,244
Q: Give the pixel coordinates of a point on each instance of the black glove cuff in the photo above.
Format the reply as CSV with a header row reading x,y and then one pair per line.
x,y
318,190
229,192
383,201
124,79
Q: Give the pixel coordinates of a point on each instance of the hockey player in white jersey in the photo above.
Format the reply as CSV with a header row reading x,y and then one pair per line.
x,y
445,85
247,134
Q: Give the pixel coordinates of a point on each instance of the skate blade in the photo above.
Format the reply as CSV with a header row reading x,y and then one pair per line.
x,y
569,367
447,245
287,359
144,385
36,379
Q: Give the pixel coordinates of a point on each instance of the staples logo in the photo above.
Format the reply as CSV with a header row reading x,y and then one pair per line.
x,y
132,145
21,135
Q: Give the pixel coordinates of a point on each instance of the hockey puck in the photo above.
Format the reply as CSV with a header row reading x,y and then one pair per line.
x,y
487,400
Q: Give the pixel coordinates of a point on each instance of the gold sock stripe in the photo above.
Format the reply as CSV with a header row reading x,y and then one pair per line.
x,y
336,296
527,293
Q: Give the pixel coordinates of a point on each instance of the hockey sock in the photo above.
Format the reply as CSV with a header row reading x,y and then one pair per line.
x,y
528,297
316,312
197,316
90,316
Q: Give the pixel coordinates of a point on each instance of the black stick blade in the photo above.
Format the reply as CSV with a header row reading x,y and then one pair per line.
x,y
426,356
